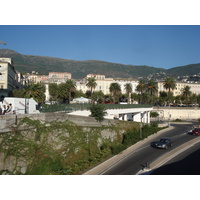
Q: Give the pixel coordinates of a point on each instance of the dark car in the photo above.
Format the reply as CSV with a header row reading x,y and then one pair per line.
x,y
163,143
196,131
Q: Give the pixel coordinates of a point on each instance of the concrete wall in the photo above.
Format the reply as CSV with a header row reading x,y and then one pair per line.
x,y
183,113
7,121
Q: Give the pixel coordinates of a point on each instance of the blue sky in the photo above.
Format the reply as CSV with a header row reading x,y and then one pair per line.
x,y
161,46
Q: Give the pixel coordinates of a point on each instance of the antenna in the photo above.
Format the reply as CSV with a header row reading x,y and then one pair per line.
x,y
3,42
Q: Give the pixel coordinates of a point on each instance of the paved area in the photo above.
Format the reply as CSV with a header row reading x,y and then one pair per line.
x,y
112,161
179,167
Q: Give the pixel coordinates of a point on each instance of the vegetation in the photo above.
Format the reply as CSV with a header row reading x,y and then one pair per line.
x,y
154,114
98,111
128,88
35,91
115,90
91,83
38,148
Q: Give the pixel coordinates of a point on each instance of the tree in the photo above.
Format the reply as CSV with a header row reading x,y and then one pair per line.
x,y
128,88
141,87
53,91
115,90
71,87
186,93
91,83
98,96
169,84
62,92
152,88
98,112
35,91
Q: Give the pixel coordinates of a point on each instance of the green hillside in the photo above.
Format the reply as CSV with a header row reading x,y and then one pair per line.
x,y
79,69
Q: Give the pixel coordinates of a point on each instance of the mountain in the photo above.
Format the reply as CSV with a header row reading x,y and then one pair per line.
x,y
79,69
185,70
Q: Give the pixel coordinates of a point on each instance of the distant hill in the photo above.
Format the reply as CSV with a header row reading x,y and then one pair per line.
x,y
185,70
79,69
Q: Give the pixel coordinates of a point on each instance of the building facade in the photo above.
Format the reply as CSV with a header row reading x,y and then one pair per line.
x,y
194,88
8,77
103,83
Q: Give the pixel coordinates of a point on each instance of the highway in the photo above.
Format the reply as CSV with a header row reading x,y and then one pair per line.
x,y
145,154
186,163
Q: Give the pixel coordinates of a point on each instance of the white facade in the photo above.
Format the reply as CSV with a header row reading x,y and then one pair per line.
x,y
8,77
194,88
123,82
103,84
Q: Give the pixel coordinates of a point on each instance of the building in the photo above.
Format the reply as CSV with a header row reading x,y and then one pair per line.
x,y
123,82
59,77
53,77
103,83
194,88
8,77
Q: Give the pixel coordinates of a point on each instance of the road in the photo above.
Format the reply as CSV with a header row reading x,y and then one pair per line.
x,y
137,159
186,163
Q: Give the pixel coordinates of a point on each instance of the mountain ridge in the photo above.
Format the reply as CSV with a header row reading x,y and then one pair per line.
x,y
79,69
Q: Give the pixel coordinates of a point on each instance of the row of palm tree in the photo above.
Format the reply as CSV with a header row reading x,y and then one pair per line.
x,y
146,92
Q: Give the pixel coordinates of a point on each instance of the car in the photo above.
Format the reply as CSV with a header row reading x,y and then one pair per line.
x,y
196,131
163,143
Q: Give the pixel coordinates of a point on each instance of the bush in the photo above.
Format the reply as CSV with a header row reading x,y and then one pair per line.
x,y
117,148
154,114
98,112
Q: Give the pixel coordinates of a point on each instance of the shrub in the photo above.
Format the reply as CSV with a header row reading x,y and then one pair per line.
x,y
154,114
117,148
98,112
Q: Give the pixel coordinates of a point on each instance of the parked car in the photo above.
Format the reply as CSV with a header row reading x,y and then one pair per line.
x,y
163,143
196,131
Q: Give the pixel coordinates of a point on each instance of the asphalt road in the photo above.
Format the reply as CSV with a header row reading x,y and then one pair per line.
x,y
145,154
186,163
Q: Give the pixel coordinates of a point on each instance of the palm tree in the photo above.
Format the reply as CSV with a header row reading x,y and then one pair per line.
x,y
141,88
186,93
71,86
53,91
115,90
128,88
62,92
169,84
152,88
91,83
35,91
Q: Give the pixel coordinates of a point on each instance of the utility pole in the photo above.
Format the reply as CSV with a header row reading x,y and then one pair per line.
x,y
3,42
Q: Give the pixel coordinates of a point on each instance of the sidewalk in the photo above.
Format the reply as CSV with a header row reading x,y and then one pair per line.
x,y
117,158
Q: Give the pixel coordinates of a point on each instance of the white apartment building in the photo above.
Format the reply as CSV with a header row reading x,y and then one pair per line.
x,y
103,83
123,82
194,88
8,77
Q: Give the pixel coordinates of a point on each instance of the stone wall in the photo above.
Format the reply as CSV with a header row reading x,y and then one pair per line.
x,y
7,121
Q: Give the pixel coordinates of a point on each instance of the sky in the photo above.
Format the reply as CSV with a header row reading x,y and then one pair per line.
x,y
161,46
